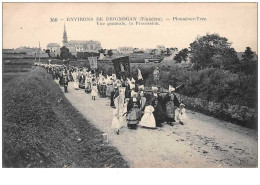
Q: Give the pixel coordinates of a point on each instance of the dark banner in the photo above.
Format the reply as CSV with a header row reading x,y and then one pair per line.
x,y
92,62
122,67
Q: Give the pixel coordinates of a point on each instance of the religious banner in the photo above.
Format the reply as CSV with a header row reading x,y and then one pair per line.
x,y
122,67
92,62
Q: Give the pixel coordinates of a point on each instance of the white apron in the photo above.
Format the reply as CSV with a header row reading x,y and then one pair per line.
x,y
76,85
148,119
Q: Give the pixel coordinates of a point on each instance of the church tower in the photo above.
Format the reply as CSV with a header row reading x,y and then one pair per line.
x,y
65,38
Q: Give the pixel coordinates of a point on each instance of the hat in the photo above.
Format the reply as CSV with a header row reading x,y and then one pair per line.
x,y
133,94
155,88
171,89
114,76
122,89
132,86
182,105
141,87
115,84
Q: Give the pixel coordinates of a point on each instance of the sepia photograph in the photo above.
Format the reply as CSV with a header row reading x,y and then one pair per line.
x,y
129,85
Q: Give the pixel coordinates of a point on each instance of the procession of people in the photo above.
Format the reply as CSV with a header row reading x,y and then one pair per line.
x,y
135,105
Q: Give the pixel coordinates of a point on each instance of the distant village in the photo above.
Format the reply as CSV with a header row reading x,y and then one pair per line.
x,y
79,48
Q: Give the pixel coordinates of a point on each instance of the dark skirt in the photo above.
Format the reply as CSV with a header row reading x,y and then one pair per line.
x,y
102,91
82,85
112,99
159,121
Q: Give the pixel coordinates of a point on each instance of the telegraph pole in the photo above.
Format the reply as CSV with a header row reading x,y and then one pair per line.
x,y
39,52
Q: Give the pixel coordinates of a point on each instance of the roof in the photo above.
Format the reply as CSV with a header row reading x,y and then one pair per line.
x,y
83,41
53,45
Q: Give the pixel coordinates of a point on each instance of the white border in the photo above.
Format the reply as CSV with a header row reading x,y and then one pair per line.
x,y
126,176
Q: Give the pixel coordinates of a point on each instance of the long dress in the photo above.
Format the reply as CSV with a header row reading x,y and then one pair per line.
x,y
119,119
94,91
109,90
158,114
171,103
82,82
142,101
133,117
181,116
115,122
124,115
76,85
114,94
148,119
88,86
102,90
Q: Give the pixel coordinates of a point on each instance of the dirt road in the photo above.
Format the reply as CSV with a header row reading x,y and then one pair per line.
x,y
202,142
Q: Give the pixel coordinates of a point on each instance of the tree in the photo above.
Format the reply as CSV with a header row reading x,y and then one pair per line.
x,y
174,49
48,51
168,51
248,63
248,55
102,51
153,52
212,50
80,55
110,53
162,52
226,60
65,53
181,56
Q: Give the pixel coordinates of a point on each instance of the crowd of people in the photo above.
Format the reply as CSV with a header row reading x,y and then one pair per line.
x,y
133,103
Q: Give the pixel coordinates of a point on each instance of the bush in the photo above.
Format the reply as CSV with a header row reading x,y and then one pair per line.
x,y
210,84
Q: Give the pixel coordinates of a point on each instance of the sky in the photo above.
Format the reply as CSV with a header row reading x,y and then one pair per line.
x,y
25,24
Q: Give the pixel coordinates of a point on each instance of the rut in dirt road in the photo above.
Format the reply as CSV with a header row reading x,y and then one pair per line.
x,y
201,142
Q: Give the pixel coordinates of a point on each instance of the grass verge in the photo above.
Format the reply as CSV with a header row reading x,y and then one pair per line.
x,y
42,129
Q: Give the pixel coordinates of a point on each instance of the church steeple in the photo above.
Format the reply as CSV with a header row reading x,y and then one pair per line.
x,y
65,38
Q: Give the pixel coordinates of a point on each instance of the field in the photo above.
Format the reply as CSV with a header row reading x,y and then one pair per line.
x,y
42,129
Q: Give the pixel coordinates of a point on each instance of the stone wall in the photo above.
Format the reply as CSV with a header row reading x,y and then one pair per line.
x,y
239,114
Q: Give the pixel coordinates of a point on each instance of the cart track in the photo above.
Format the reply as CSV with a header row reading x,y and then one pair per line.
x,y
201,142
